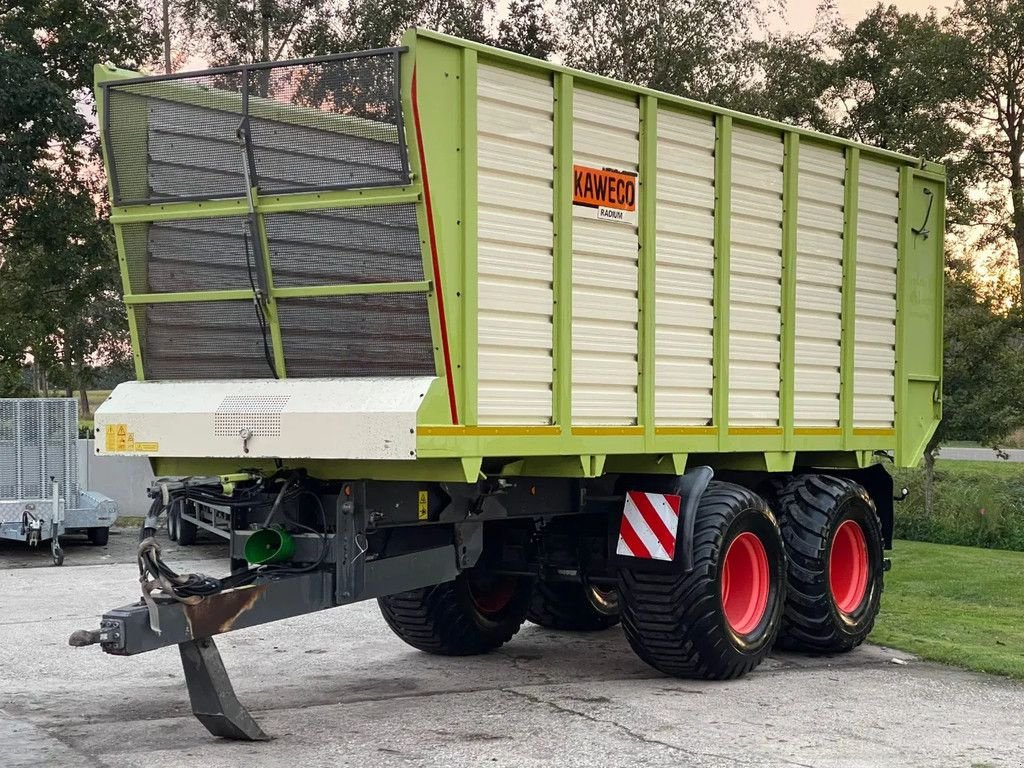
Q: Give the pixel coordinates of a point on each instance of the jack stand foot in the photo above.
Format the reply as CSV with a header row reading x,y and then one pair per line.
x,y
213,699
57,552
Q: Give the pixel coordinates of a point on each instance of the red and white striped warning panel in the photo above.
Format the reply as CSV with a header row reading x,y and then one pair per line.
x,y
649,523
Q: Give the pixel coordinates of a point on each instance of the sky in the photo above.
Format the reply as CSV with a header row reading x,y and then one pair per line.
x,y
800,13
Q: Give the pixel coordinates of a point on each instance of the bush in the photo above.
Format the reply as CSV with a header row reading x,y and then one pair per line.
x,y
975,504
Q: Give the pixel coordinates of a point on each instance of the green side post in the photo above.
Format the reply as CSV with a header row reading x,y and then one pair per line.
x,y
787,361
647,201
723,237
849,298
562,346
470,280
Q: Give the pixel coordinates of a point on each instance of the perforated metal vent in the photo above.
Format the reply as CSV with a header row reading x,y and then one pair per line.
x,y
372,335
190,255
378,244
202,340
259,415
328,123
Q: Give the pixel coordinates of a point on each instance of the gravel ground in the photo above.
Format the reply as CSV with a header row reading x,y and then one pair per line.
x,y
338,689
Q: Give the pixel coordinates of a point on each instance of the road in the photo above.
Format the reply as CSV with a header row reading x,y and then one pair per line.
x,y
1015,455
338,689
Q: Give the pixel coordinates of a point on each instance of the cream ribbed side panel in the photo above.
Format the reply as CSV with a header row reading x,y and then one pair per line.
x,y
605,275
684,271
514,252
874,374
755,278
819,286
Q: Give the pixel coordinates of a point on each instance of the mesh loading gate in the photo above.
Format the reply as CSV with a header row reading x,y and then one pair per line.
x,y
339,291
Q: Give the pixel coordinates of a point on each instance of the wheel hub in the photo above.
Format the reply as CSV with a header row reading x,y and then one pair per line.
x,y
492,594
745,583
848,567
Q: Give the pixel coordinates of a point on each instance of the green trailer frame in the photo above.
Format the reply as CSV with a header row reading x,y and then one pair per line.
x,y
438,95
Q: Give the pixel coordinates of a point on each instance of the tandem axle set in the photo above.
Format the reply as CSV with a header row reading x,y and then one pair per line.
x,y
494,553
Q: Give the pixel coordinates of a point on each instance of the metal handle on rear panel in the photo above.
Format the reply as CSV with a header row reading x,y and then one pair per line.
x,y
248,161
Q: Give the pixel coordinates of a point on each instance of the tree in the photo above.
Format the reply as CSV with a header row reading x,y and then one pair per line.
x,y
57,263
528,29
901,82
787,76
680,46
269,30
983,364
993,31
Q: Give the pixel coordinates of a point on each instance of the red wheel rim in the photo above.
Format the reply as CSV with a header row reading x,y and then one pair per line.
x,y
492,595
745,583
848,567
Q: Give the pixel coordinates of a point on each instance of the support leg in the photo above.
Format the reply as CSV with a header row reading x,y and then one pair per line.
x,y
213,699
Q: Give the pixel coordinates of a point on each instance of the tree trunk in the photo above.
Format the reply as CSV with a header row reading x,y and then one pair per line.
x,y
167,35
265,14
1017,212
929,481
83,402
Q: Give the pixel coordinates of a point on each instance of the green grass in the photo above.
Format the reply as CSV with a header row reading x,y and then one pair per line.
x,y
956,605
976,504
980,469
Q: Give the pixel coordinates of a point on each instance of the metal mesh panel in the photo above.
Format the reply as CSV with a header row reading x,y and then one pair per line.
x,y
329,123
189,255
378,244
341,126
38,439
202,340
176,138
373,335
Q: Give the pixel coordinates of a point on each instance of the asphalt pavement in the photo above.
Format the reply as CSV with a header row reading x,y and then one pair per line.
x,y
338,689
1012,455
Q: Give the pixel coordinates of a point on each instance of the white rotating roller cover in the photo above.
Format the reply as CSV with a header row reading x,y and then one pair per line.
x,y
358,418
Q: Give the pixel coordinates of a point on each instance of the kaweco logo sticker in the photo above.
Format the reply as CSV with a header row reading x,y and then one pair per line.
x,y
608,193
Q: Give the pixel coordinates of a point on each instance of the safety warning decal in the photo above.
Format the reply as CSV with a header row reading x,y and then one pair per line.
x,y
604,193
119,440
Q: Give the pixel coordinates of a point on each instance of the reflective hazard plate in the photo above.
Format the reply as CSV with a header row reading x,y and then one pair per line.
x,y
649,525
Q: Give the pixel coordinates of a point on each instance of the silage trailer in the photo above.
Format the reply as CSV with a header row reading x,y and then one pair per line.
x,y
493,340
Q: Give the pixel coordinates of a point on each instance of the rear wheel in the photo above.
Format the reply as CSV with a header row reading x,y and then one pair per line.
x,y
475,613
186,530
721,619
574,606
173,521
834,541
99,536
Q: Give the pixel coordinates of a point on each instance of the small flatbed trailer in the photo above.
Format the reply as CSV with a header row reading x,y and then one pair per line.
x,y
491,340
40,496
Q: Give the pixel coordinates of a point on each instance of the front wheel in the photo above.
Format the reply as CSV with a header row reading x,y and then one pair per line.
x,y
834,541
475,613
720,620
